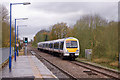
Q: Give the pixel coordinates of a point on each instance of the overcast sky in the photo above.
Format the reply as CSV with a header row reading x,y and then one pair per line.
x,y
41,15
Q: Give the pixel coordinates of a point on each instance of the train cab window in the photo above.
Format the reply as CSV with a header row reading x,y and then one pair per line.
x,y
56,45
71,44
61,45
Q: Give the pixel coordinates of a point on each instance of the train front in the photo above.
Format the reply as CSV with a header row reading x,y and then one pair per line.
x,y
71,48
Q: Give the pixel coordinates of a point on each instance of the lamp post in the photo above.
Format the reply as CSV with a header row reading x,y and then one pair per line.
x,y
17,40
17,33
17,37
10,57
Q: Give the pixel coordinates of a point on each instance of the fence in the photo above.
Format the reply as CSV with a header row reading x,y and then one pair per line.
x,y
4,54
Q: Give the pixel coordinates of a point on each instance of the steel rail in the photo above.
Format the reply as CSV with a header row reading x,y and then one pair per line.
x,y
65,72
96,70
85,65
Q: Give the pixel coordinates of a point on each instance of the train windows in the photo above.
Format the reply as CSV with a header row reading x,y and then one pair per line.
x,y
61,45
40,45
50,45
71,44
43,45
56,45
47,45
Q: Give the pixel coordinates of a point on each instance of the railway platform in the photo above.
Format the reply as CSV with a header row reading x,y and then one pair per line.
x,y
27,67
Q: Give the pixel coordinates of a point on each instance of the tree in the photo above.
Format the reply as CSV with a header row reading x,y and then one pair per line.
x,y
5,28
42,35
4,14
88,30
59,31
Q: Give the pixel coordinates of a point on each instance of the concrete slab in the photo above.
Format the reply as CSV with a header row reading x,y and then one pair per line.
x,y
27,66
20,68
43,70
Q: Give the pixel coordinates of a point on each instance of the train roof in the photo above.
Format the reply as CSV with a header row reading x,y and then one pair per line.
x,y
58,40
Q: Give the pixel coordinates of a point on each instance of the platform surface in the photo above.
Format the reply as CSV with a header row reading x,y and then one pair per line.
x,y
27,66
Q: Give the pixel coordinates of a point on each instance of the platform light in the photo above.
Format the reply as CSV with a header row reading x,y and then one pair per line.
x,y
26,3
10,56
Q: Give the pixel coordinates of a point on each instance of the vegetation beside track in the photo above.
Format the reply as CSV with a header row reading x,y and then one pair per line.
x,y
100,63
94,32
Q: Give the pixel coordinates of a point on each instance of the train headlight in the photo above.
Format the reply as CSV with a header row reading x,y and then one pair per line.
x,y
67,52
77,51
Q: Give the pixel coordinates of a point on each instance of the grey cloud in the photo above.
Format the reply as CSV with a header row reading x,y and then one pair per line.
x,y
66,7
108,10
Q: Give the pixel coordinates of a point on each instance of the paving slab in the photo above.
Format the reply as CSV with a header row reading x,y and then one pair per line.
x,y
27,67
20,68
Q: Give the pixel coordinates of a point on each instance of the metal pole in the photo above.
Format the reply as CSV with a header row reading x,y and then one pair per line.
x,y
26,49
10,39
15,41
10,31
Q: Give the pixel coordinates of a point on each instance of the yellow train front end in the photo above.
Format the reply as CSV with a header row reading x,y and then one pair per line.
x,y
71,48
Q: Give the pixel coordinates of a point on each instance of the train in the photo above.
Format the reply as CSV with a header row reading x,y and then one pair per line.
x,y
66,47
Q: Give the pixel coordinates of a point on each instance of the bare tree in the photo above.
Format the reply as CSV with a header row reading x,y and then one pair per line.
x,y
4,13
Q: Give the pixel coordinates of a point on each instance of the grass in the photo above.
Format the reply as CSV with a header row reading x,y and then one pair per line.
x,y
107,63
102,62
34,46
115,63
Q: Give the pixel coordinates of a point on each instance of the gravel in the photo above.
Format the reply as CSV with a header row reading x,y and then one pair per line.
x,y
75,70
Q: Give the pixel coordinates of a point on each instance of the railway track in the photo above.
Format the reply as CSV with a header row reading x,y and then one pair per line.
x,y
68,74
109,73
104,71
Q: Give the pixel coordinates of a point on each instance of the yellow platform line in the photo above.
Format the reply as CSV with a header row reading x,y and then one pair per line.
x,y
35,70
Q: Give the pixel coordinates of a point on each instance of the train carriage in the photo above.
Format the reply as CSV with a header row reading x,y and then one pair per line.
x,y
67,47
